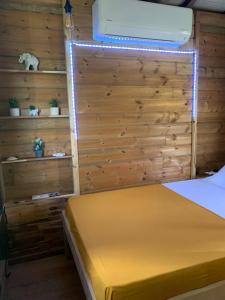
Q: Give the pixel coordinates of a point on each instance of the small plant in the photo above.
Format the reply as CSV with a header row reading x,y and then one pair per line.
x,y
38,144
33,111
14,109
54,109
32,107
53,103
13,103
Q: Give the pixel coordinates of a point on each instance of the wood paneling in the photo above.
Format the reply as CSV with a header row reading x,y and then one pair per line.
x,y
35,27
38,33
39,6
211,116
134,118
47,176
134,113
36,231
35,96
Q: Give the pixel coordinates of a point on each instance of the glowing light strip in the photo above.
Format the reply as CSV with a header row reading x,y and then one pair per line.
x,y
101,46
191,52
195,87
69,48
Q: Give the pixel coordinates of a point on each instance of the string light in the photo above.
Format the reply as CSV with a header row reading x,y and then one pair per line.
x,y
191,52
142,49
71,76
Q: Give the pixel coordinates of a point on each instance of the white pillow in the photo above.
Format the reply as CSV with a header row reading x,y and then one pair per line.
x,y
218,178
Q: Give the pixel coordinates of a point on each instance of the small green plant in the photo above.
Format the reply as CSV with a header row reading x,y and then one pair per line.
x,y
38,144
32,107
53,103
13,103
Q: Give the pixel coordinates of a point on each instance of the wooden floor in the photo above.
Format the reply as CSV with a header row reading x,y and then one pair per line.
x,y
47,279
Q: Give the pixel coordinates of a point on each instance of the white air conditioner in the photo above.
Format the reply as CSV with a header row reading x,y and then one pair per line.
x,y
141,22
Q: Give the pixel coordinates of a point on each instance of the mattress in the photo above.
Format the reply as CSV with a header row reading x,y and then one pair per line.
x,y
202,192
146,243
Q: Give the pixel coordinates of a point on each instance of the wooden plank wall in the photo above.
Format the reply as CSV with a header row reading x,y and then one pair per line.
x,y
211,127
33,26
134,119
134,114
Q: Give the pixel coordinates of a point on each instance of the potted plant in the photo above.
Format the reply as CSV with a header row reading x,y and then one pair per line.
x,y
54,109
33,111
14,107
38,147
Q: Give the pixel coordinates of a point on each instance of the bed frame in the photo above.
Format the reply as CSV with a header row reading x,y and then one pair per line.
x,y
89,293
214,291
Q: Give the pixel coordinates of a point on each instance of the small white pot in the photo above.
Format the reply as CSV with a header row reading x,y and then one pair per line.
x,y
54,111
15,112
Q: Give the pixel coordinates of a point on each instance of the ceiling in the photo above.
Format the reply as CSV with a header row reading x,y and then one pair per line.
x,y
210,5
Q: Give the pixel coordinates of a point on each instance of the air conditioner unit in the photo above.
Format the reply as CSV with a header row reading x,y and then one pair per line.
x,y
141,22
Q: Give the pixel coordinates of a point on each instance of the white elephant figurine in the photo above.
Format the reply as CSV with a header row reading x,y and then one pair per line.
x,y
31,62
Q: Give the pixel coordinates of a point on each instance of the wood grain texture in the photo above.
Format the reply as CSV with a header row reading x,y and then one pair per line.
x,y
134,118
211,116
133,112
35,27
38,6
134,115
38,33
49,176
36,231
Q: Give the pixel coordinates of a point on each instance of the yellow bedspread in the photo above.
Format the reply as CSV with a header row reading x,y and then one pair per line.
x,y
146,243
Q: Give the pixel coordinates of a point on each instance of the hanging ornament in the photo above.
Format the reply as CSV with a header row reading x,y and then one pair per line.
x,y
68,15
68,7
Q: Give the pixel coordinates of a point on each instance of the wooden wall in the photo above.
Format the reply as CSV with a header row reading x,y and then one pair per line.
x,y
211,127
134,118
37,27
134,114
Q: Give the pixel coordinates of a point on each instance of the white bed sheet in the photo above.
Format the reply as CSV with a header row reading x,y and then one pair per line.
x,y
201,192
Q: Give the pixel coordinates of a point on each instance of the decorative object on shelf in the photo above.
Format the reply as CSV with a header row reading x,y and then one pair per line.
x,y
38,147
30,61
14,107
12,158
54,109
46,195
68,16
59,154
33,111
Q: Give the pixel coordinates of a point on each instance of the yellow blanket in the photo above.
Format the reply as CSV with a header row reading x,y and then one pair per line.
x,y
146,243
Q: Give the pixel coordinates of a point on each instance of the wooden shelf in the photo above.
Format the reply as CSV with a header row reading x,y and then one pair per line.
x,y
30,117
56,197
33,72
4,162
28,201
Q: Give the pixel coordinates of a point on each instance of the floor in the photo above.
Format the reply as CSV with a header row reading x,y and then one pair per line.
x,y
47,279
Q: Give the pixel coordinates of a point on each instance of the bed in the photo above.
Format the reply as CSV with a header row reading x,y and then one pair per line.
x,y
153,242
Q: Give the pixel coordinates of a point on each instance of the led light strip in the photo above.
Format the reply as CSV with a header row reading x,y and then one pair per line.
x,y
195,87
69,49
144,49
190,52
